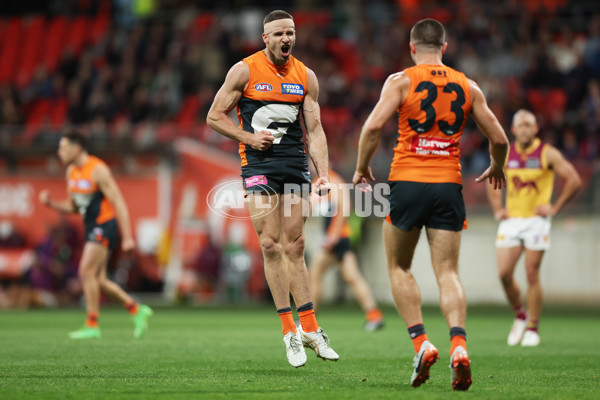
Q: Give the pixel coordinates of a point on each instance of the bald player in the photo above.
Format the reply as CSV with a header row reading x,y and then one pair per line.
x,y
525,220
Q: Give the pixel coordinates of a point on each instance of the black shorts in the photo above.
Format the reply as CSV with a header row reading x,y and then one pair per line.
x,y
435,205
341,248
277,176
106,234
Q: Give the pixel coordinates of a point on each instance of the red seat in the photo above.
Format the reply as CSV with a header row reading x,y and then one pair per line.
x,y
189,110
10,49
77,35
38,114
58,112
33,33
203,22
98,28
54,43
2,29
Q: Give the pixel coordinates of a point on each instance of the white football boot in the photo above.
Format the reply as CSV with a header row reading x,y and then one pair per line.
x,y
516,332
294,349
460,365
530,338
319,342
423,361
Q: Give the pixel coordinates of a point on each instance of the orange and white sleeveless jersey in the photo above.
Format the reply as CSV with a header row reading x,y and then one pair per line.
x,y
273,101
430,125
95,208
529,180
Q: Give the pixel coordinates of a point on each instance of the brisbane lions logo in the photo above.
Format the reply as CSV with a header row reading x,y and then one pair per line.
x,y
519,184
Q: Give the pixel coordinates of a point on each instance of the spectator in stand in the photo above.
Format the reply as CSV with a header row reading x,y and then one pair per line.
x,y
146,69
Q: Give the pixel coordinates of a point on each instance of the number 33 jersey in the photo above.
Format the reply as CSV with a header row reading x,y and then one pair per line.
x,y
430,125
272,102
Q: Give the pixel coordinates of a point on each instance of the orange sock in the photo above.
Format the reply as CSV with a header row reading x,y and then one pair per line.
x,y
457,341
92,320
132,307
287,321
374,315
418,341
308,321
417,335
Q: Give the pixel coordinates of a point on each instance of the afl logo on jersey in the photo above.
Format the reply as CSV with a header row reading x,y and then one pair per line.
x,y
263,87
84,184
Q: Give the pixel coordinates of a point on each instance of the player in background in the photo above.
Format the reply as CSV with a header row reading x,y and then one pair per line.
x,y
433,102
94,193
270,89
335,249
525,220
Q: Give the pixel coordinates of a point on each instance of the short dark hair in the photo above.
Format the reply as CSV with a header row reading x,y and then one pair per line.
x,y
275,15
76,137
429,33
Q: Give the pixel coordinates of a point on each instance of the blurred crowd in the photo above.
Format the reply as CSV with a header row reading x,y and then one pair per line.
x,y
155,72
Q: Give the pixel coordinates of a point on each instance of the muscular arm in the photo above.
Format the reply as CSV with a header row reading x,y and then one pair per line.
x,y
316,142
392,96
103,177
566,171
491,128
226,100
66,206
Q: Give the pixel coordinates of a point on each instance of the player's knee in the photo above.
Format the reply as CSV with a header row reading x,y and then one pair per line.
x,y
86,272
505,276
102,282
295,248
533,277
269,246
348,276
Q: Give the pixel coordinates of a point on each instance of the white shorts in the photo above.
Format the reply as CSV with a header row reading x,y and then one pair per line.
x,y
532,233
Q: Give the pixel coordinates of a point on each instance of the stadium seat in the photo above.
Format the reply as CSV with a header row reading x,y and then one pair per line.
x,y
58,112
56,37
38,114
77,35
10,49
97,28
33,32
187,116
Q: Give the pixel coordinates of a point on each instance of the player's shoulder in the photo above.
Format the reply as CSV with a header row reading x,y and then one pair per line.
x,y
70,170
95,161
97,166
551,152
253,58
239,73
401,78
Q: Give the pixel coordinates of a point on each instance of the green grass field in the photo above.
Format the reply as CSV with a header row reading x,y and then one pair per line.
x,y
238,353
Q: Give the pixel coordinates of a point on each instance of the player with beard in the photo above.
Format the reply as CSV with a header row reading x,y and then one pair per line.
x,y
270,89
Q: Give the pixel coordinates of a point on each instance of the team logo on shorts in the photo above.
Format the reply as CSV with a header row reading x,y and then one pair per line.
x,y
96,235
263,87
256,180
292,88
